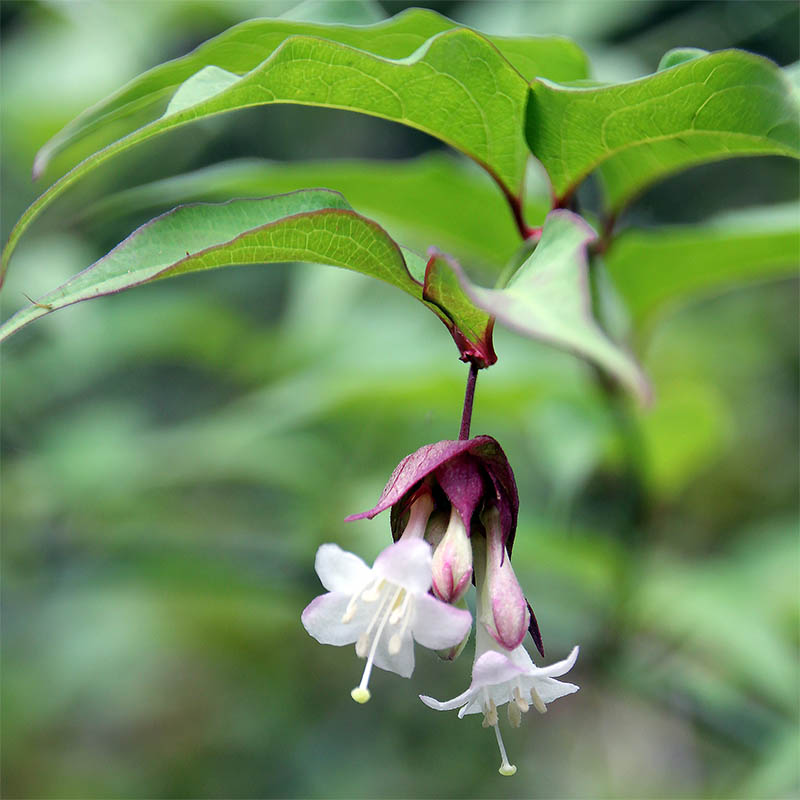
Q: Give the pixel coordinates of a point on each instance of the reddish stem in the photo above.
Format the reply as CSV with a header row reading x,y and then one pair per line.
x,y
469,398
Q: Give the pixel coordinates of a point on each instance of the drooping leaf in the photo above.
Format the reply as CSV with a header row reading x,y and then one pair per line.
x,y
659,269
417,69
470,327
435,198
708,108
314,225
548,298
244,47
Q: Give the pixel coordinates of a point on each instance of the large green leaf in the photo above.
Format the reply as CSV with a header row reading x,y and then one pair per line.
x,y
411,197
244,47
314,225
654,270
548,298
416,69
716,106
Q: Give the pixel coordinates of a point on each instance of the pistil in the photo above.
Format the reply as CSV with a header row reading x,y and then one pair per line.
x,y
506,768
361,693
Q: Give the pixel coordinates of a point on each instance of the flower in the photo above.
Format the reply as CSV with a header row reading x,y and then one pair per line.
x,y
383,609
504,610
452,561
502,676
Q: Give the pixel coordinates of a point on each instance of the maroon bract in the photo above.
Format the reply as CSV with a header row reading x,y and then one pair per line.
x,y
469,473
470,481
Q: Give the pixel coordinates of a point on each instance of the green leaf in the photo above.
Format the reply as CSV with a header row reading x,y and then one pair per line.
x,y
416,69
712,107
658,270
548,299
244,47
470,327
315,225
419,210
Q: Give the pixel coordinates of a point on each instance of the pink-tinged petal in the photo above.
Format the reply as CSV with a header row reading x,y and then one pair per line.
x,y
446,705
550,689
340,571
437,625
493,668
560,667
406,563
322,618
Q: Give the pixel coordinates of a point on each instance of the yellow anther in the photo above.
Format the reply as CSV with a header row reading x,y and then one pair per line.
x,y
520,701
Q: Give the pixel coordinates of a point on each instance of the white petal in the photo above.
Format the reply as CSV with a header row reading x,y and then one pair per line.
x,y
560,667
406,563
550,689
437,625
322,618
447,705
493,668
401,662
339,570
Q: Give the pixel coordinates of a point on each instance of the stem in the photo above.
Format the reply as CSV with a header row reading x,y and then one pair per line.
x,y
469,398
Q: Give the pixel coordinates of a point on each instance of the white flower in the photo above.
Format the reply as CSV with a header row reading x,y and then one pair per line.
x,y
501,676
383,609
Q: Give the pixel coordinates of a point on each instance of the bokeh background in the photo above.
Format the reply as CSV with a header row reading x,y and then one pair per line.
x,y
173,456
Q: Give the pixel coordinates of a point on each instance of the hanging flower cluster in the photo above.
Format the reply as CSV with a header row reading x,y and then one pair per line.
x,y
454,511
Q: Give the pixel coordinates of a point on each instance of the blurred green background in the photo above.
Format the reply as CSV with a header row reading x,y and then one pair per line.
x,y
173,456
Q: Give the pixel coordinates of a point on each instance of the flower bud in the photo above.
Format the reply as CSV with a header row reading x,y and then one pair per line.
x,y
452,561
503,608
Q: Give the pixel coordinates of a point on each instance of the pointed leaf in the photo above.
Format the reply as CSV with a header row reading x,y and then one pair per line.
x,y
315,225
243,47
716,106
470,327
419,210
548,299
416,69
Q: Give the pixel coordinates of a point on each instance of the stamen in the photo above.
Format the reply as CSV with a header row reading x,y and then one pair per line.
x,y
537,701
373,591
350,611
514,715
521,702
505,768
361,693
399,609
491,714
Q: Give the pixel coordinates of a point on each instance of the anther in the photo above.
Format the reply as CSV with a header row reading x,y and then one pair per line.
x,y
362,645
538,704
350,611
514,715
521,702
372,592
491,714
